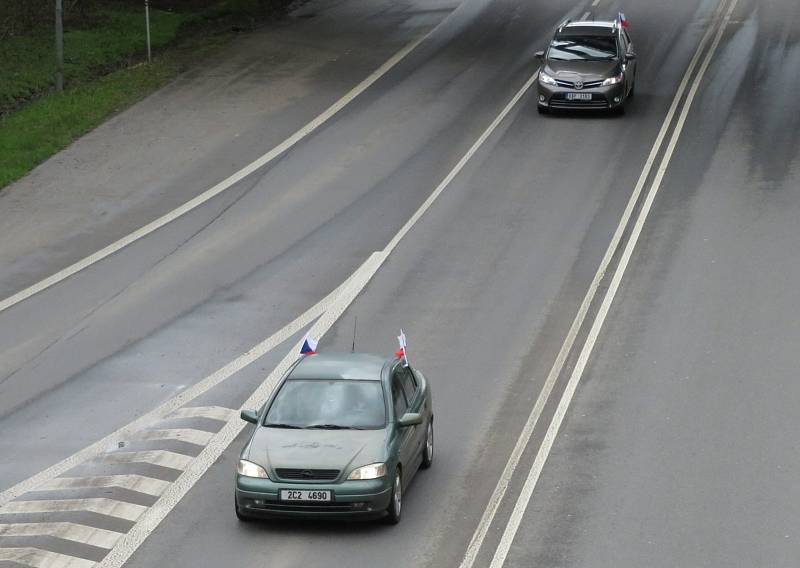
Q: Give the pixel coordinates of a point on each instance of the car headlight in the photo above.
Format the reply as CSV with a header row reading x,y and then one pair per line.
x,y
614,80
250,469
546,79
371,471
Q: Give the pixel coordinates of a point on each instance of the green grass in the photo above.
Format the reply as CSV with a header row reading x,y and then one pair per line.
x,y
103,74
27,63
36,132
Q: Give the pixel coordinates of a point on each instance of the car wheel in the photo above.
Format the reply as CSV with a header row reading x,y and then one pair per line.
x,y
396,504
239,514
427,451
543,110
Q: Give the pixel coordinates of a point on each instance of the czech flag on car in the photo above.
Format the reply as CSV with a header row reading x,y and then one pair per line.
x,y
309,346
623,20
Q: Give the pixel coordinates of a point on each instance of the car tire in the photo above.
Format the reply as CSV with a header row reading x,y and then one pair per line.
x,y
239,514
395,509
427,449
543,110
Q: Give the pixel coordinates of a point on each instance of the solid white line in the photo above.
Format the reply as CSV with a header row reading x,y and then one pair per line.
x,y
585,16
42,558
131,430
100,505
219,413
190,435
566,398
501,487
217,189
128,544
596,2
68,531
138,483
163,458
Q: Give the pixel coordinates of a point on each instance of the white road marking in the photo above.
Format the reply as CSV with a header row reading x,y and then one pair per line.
x,y
100,505
200,388
191,435
566,398
92,536
128,544
585,16
213,412
138,483
42,558
596,2
217,189
163,458
501,487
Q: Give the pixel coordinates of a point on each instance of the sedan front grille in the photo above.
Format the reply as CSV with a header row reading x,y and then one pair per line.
x,y
307,474
571,85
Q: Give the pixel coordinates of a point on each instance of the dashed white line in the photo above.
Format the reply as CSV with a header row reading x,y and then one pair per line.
x,y
92,536
100,505
595,3
532,479
138,483
585,16
42,558
501,487
163,458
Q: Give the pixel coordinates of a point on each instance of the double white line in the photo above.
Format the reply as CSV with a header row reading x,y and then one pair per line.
x,y
718,24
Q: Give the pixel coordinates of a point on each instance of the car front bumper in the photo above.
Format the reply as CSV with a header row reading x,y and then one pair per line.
x,y
555,97
260,497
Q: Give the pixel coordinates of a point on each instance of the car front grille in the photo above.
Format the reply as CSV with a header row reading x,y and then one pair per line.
x,y
571,85
319,507
307,474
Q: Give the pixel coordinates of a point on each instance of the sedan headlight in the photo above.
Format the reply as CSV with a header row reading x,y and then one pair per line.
x,y
371,471
546,79
250,469
614,80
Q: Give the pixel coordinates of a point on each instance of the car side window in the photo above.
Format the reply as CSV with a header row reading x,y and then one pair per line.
x,y
409,383
398,397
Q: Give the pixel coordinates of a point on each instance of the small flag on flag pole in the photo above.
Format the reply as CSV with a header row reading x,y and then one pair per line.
x,y
309,346
623,20
401,353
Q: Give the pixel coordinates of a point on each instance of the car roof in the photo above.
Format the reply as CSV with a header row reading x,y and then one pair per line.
x,y
587,28
348,366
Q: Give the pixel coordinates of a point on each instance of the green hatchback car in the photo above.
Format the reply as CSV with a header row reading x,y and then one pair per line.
x,y
342,436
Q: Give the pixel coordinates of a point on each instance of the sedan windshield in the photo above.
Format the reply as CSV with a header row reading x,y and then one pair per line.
x,y
591,48
328,405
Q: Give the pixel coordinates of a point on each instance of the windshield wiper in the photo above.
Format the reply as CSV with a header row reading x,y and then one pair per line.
x,y
279,425
330,427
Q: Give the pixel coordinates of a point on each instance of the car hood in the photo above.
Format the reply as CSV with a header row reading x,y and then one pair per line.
x,y
316,449
586,70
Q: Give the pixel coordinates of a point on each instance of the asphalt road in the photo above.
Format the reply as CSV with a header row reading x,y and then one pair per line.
x,y
679,447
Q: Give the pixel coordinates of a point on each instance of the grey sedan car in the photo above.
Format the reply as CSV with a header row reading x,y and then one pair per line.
x,y
343,435
588,65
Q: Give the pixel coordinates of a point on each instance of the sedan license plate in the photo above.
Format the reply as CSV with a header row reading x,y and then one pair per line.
x,y
314,495
579,96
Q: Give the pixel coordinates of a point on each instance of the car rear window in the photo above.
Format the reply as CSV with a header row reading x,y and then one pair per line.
x,y
328,404
583,48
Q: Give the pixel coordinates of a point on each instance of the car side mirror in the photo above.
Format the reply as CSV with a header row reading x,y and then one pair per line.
x,y
250,416
410,419
539,55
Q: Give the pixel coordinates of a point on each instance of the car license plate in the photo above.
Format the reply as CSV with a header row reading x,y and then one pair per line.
x,y
306,495
579,96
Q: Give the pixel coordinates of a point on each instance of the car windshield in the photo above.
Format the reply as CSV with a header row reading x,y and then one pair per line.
x,y
328,405
591,48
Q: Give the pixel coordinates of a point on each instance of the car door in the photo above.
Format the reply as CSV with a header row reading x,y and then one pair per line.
x,y
405,435
630,65
416,403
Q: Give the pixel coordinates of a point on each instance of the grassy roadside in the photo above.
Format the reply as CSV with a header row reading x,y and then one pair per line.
x,y
104,74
